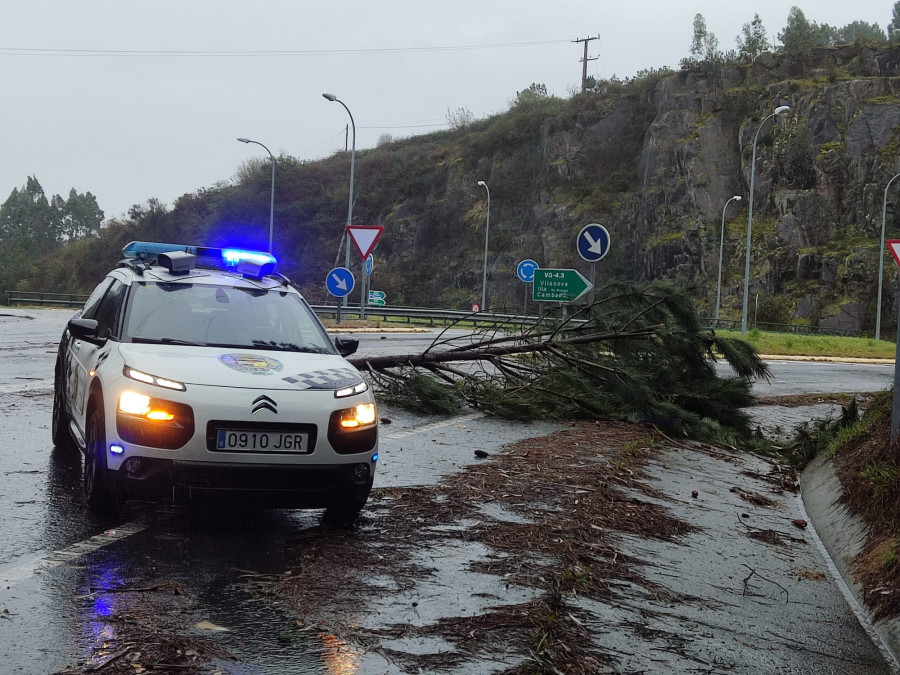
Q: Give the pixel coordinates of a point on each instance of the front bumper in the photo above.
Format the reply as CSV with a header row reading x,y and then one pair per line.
x,y
264,485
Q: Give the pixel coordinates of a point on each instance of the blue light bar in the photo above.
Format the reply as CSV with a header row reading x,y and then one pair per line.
x,y
234,256
221,258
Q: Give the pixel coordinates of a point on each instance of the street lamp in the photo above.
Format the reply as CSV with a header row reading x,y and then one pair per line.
x,y
736,198
881,258
487,229
780,109
272,197
333,98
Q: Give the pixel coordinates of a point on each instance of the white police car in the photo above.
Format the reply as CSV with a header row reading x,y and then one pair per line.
x,y
194,374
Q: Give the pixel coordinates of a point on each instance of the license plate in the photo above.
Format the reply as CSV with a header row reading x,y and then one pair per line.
x,y
253,440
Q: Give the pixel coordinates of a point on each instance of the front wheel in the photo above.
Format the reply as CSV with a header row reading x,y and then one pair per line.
x,y
62,439
97,490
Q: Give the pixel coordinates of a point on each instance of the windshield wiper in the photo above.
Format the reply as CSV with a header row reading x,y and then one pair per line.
x,y
167,341
288,347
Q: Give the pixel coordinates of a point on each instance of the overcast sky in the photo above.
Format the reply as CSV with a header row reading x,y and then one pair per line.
x,y
133,99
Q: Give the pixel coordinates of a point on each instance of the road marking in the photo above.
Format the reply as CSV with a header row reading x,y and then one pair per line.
x,y
432,425
41,563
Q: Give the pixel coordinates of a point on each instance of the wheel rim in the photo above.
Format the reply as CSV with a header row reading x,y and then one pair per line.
x,y
90,460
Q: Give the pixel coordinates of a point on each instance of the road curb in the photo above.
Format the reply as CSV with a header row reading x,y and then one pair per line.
x,y
843,536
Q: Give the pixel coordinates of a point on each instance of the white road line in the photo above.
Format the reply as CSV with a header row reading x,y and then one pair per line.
x,y
41,563
431,426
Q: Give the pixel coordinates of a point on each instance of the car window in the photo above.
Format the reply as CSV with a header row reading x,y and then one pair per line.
x,y
107,312
90,305
223,316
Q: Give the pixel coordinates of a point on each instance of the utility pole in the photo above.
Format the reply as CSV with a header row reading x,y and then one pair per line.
x,y
585,60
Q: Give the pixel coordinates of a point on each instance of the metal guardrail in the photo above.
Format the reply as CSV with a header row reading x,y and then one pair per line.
x,y
766,327
423,315
434,317
39,298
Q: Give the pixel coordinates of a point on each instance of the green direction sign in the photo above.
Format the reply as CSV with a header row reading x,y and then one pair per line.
x,y
558,285
376,298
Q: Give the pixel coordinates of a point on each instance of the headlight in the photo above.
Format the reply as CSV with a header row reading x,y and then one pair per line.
x,y
350,391
360,416
139,405
152,379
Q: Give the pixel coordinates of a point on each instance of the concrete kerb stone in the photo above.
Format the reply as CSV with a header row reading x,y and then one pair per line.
x,y
843,535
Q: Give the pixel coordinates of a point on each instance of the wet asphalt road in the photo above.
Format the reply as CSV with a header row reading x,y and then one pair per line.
x,y
51,560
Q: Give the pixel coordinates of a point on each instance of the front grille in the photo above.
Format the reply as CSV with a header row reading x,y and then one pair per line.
x,y
253,477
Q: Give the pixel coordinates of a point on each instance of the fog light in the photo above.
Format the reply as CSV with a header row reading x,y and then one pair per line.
x,y
360,472
133,466
116,449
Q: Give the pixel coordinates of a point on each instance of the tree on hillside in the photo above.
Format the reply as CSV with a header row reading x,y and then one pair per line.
x,y
26,215
753,40
705,53
800,35
79,216
893,27
860,31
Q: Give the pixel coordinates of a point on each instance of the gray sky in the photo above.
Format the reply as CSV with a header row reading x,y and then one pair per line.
x,y
133,99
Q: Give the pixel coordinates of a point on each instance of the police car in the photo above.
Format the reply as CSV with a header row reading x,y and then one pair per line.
x,y
196,374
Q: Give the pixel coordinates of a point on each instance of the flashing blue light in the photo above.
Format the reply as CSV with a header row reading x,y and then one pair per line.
x,y
211,257
374,458
233,256
116,449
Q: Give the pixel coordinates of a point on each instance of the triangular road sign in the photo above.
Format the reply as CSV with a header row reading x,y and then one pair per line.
x,y
894,248
365,238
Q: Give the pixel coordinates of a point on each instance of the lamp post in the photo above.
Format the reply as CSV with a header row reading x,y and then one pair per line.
x,y
487,230
881,258
780,109
333,98
736,198
272,197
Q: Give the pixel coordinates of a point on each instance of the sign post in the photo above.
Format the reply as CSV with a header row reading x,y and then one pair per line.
x,y
525,272
593,245
339,283
365,239
555,285
894,247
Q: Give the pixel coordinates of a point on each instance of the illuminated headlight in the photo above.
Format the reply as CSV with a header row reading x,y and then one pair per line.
x,y
360,416
153,379
139,405
350,391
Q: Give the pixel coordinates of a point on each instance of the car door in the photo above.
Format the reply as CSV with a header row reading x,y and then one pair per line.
x,y
85,356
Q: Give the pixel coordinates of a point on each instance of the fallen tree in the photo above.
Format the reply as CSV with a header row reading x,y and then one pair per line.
x,y
637,354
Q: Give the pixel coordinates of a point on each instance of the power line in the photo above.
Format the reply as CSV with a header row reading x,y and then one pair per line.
x,y
40,51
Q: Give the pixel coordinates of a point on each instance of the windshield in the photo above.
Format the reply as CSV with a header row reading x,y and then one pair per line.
x,y
220,316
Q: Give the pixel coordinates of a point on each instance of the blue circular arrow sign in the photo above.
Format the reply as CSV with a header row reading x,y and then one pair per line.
x,y
593,242
370,263
525,270
339,282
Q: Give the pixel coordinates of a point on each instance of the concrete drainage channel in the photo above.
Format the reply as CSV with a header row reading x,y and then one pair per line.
x,y
842,536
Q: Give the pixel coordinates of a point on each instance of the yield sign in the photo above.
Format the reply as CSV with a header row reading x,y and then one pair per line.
x,y
894,246
364,237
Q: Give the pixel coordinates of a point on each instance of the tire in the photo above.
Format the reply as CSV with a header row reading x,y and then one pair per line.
x,y
346,511
98,494
62,438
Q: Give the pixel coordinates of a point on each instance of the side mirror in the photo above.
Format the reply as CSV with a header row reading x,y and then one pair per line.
x,y
84,329
345,345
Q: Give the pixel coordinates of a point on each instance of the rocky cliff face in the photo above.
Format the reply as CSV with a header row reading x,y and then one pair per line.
x,y
655,163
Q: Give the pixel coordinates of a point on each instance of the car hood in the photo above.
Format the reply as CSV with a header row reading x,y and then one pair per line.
x,y
246,368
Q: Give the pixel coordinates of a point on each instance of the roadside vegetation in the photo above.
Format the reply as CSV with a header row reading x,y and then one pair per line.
x,y
791,344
